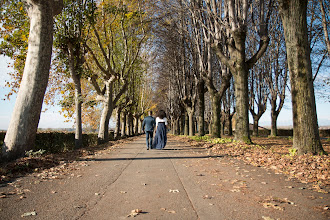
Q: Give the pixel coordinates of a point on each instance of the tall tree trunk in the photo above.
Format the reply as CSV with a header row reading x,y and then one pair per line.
x,y
186,123
136,127
274,115
255,125
201,108
118,114
130,124
77,98
124,120
181,121
216,113
103,135
240,74
230,124
140,126
305,126
24,122
78,121
273,129
177,126
223,124
210,126
242,105
191,122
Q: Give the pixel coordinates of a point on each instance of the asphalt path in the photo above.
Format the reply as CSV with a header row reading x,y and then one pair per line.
x,y
179,182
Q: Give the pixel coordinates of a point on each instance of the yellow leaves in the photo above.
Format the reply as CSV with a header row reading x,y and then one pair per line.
x,y
129,15
24,38
21,8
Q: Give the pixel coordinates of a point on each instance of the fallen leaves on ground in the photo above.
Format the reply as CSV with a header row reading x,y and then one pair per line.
x,y
52,166
29,214
274,154
134,212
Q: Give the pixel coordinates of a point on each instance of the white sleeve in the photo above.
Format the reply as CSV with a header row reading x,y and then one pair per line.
x,y
165,121
157,120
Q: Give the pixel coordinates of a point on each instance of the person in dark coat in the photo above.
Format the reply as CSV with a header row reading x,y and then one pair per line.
x,y
161,132
148,126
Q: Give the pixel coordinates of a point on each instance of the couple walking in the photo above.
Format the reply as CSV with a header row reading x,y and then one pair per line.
x,y
148,126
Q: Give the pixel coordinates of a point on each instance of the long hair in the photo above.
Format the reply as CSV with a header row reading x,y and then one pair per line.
x,y
161,114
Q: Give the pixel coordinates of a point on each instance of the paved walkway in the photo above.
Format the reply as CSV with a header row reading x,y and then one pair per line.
x,y
179,182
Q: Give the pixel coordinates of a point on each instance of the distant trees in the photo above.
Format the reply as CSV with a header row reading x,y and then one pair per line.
x,y
239,33
113,50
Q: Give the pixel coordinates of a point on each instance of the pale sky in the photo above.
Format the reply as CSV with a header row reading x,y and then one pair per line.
x,y
53,119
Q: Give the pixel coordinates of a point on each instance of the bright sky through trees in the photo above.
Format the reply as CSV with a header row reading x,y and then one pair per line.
x,y
53,119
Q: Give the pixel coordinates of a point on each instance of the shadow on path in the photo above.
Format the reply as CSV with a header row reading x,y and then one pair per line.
x,y
149,158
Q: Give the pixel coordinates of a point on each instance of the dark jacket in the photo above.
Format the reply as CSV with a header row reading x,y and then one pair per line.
x,y
149,123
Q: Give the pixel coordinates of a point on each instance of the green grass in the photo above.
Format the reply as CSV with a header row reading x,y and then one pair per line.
x,y
212,140
220,140
200,138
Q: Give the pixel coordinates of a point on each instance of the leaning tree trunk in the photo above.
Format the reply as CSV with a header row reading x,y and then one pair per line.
x,y
23,126
305,126
103,135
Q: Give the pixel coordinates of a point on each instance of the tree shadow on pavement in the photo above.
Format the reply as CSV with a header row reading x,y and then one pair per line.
x,y
150,158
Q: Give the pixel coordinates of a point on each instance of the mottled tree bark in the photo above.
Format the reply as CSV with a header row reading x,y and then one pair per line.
x,y
240,73
305,126
23,126
103,135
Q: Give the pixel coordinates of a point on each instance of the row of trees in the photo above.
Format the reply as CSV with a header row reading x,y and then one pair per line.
x,y
241,54
97,67
237,52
